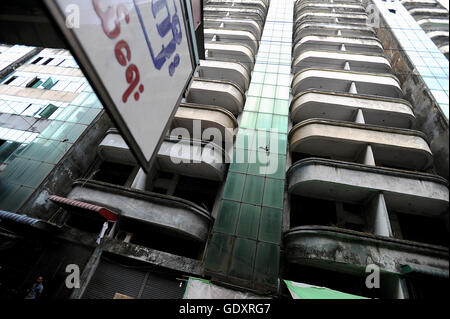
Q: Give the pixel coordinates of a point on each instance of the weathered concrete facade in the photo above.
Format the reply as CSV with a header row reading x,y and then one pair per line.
x,y
361,178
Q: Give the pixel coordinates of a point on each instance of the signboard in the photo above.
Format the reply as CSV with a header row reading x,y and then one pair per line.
x,y
137,55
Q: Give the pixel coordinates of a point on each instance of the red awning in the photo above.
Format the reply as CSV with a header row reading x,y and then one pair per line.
x,y
108,214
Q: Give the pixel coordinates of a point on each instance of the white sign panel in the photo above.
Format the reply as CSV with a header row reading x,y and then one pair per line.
x,y
136,54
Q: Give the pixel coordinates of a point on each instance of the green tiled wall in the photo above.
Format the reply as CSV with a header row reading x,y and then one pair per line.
x,y
245,244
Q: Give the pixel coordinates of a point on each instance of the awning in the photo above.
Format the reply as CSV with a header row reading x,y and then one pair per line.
x,y
305,291
414,269
197,288
106,213
9,217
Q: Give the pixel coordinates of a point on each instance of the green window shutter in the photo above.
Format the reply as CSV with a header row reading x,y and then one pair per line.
x,y
49,83
48,111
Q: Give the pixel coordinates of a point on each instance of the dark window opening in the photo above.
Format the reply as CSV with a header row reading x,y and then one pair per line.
x,y
47,61
160,238
7,148
353,211
311,211
34,83
37,60
427,288
85,220
355,227
113,173
423,229
200,191
351,208
10,80
165,175
159,190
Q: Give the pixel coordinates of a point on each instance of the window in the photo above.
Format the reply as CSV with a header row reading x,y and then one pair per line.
x,y
49,83
423,229
34,83
10,80
7,148
427,287
32,109
48,111
312,211
113,173
47,61
199,191
37,60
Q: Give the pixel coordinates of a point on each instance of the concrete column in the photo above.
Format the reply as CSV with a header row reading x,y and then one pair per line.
x,y
140,180
360,117
343,47
353,89
401,291
378,217
368,158
347,66
339,33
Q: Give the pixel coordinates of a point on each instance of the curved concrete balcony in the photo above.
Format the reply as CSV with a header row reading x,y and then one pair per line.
x,y
344,106
218,93
337,60
347,141
409,192
433,24
260,4
210,117
230,52
193,158
234,24
341,17
168,213
232,36
346,30
440,38
334,43
328,7
408,4
226,71
240,12
340,81
419,13
351,251
202,160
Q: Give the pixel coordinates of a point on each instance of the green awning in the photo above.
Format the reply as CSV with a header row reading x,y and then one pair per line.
x,y
305,291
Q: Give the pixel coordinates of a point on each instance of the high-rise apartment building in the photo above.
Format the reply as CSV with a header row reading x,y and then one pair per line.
x,y
432,16
308,150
